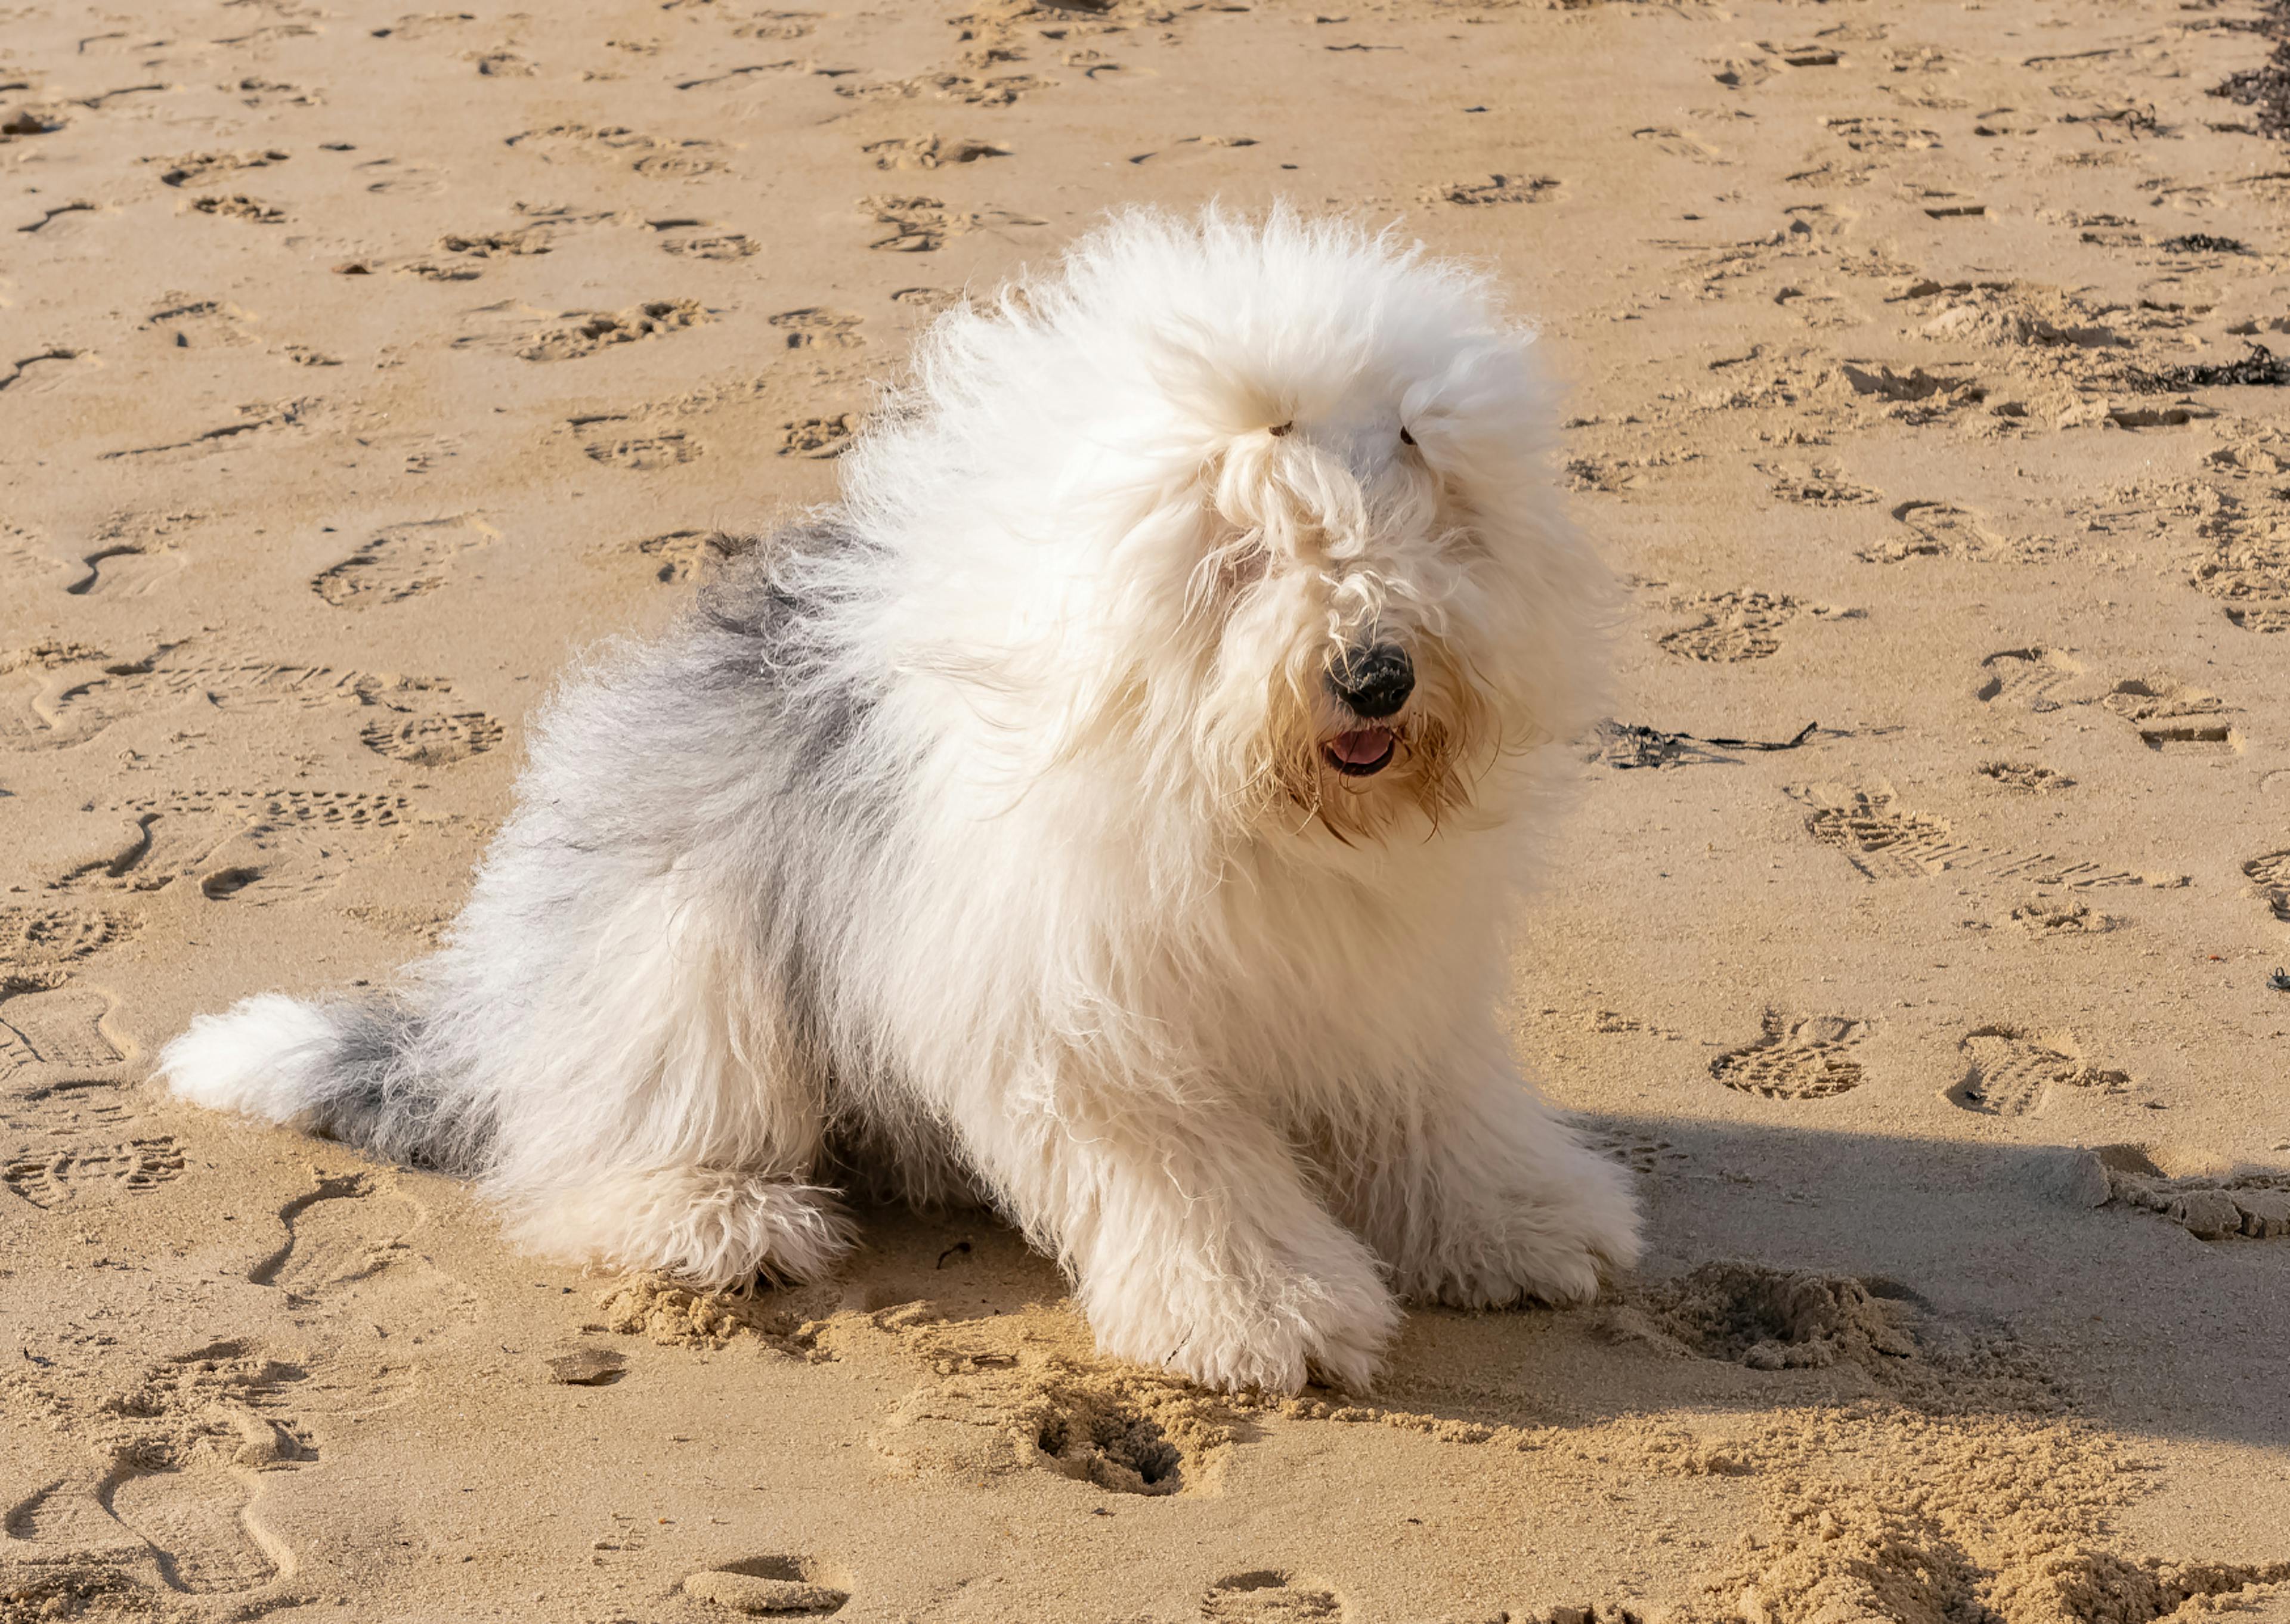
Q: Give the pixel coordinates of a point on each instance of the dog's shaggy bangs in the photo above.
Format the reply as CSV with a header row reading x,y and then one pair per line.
x,y
1233,506
1010,829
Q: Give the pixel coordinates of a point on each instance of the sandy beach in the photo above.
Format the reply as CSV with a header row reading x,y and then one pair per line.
x,y
1913,933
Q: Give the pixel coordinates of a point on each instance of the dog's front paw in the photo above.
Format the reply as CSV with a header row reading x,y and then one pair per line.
x,y
1553,1245
1313,1331
1549,1269
1275,1334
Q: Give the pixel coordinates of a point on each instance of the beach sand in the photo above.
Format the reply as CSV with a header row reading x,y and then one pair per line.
x,y
362,368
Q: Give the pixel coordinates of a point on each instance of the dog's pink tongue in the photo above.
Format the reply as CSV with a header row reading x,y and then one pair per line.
x,y
1361,746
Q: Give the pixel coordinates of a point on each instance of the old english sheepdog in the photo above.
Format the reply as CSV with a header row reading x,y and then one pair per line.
x,y
1113,808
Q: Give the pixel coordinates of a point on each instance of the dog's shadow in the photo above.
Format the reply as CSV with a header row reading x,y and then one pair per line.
x,y
1786,1267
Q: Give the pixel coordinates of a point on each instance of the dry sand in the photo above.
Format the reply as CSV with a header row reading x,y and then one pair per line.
x,y
359,367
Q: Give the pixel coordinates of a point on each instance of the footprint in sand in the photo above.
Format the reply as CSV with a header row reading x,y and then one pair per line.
x,y
263,418
1814,485
1022,1394
816,328
238,206
1270,1596
2173,717
401,562
922,225
2011,1073
389,177
999,1417
1494,189
2027,777
204,324
930,152
2270,876
196,169
778,1587
2025,677
46,1022
651,155
1678,143
346,1254
2268,618
998,91
1641,1153
41,371
59,935
1737,627
243,847
67,1520
433,741
124,570
79,699
494,245
1804,1056
1817,305
1933,529
817,437
1881,838
2057,918
930,301
24,558
94,1173
198,1519
680,555
72,1111
194,1524
637,441
1886,840
1187,149
577,334
709,245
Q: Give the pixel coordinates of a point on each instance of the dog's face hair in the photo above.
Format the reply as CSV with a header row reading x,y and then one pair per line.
x,y
1308,577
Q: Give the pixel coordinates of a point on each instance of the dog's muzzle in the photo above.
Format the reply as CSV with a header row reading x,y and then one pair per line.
x,y
1373,682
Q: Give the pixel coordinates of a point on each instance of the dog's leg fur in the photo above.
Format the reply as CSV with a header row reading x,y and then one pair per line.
x,y
718,1228
1193,1239
615,1088
687,1146
1487,1199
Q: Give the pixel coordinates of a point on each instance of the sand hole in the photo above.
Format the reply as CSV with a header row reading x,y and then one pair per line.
x,y
778,1587
1115,1448
1268,1596
2192,738
228,883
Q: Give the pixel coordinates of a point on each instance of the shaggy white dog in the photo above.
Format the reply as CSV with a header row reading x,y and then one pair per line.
x,y
1113,807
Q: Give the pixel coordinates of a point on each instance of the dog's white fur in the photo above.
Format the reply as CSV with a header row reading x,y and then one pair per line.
x,y
978,833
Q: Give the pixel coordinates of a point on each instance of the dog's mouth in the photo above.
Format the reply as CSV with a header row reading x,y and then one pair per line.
x,y
1362,753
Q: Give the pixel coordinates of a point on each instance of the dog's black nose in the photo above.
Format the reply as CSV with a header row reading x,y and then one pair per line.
x,y
1373,681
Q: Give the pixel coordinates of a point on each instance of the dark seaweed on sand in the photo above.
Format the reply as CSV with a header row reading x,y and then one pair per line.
x,y
2203,241
2266,88
1633,744
2262,368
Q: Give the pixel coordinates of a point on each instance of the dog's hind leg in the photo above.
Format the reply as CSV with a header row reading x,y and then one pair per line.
x,y
717,1228
653,1111
1192,1237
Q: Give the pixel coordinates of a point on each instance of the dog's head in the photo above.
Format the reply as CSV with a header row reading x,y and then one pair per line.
x,y
1257,516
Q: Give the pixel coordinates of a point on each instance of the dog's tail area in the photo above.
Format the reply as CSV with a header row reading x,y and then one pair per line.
x,y
350,1071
